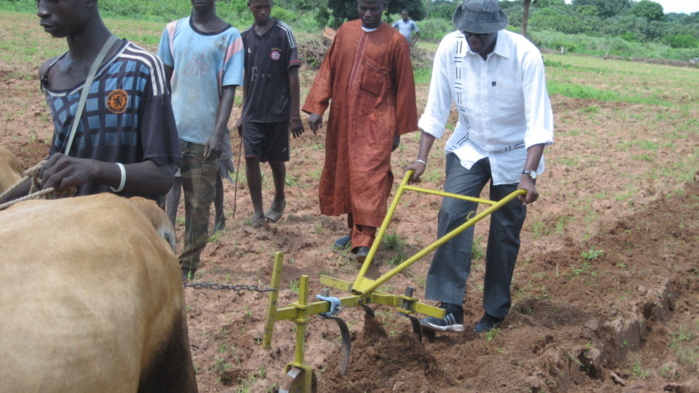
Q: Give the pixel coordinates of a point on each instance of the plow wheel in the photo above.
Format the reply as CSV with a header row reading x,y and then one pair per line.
x,y
294,382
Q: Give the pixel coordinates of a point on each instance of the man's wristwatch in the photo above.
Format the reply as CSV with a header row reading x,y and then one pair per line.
x,y
529,173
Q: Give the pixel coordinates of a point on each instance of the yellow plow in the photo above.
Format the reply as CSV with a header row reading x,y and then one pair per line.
x,y
300,377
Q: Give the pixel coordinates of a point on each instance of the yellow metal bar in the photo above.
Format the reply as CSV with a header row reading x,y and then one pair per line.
x,y
274,296
327,281
361,287
295,310
382,229
360,280
450,195
376,297
301,320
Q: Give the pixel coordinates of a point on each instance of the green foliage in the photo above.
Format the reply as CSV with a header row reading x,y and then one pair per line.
x,y
580,91
545,3
681,41
592,254
294,286
422,75
491,334
416,8
434,30
515,13
478,248
565,20
682,342
641,29
18,5
638,371
586,265
166,11
584,27
607,8
589,11
442,9
649,10
612,46
342,10
393,242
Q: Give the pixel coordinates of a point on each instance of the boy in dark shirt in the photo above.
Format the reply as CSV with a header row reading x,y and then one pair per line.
x,y
270,106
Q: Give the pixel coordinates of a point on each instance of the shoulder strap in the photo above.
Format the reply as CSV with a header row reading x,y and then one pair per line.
x,y
86,88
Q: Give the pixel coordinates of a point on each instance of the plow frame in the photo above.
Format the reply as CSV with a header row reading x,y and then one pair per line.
x,y
363,291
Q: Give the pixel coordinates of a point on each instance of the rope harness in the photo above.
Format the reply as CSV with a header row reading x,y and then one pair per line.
x,y
35,191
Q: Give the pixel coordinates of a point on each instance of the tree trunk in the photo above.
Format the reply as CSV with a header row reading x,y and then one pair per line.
x,y
525,16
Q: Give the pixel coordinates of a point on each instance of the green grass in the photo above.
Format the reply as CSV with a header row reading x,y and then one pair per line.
x,y
590,78
294,286
612,46
394,243
586,267
422,75
684,343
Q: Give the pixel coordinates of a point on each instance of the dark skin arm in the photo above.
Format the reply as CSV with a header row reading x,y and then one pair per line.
x,y
295,116
168,72
142,178
239,122
214,145
295,122
315,121
415,38
418,168
396,143
534,154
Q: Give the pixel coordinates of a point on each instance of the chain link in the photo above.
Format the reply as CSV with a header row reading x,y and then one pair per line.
x,y
220,287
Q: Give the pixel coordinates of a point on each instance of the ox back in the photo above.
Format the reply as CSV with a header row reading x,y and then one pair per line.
x,y
92,299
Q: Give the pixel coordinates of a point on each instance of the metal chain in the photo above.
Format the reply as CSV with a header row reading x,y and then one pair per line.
x,y
220,287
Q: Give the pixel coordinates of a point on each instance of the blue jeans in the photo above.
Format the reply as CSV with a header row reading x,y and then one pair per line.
x,y
451,264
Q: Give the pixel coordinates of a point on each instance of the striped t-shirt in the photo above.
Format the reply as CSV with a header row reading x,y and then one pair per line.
x,y
127,116
268,59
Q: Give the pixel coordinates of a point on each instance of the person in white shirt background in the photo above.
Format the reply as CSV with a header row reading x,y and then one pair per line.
x,y
496,81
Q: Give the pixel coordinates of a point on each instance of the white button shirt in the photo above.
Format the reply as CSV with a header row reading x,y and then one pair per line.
x,y
502,102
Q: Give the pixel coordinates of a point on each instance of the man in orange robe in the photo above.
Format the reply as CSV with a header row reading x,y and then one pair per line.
x,y
369,77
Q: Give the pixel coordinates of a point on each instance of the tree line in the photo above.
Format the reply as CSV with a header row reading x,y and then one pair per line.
x,y
641,21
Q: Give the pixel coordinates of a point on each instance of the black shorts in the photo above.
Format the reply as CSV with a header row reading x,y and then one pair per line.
x,y
268,141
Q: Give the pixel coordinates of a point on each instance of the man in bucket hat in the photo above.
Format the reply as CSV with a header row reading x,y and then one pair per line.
x,y
496,80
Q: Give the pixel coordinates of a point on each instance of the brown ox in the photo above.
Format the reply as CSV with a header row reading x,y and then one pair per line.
x,y
10,169
92,299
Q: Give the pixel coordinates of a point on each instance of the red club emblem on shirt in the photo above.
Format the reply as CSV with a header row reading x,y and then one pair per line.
x,y
275,55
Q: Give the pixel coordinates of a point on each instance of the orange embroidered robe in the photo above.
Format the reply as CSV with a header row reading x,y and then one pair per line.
x,y
369,78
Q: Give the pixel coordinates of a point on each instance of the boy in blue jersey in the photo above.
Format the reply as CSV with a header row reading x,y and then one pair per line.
x,y
126,139
203,57
270,105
